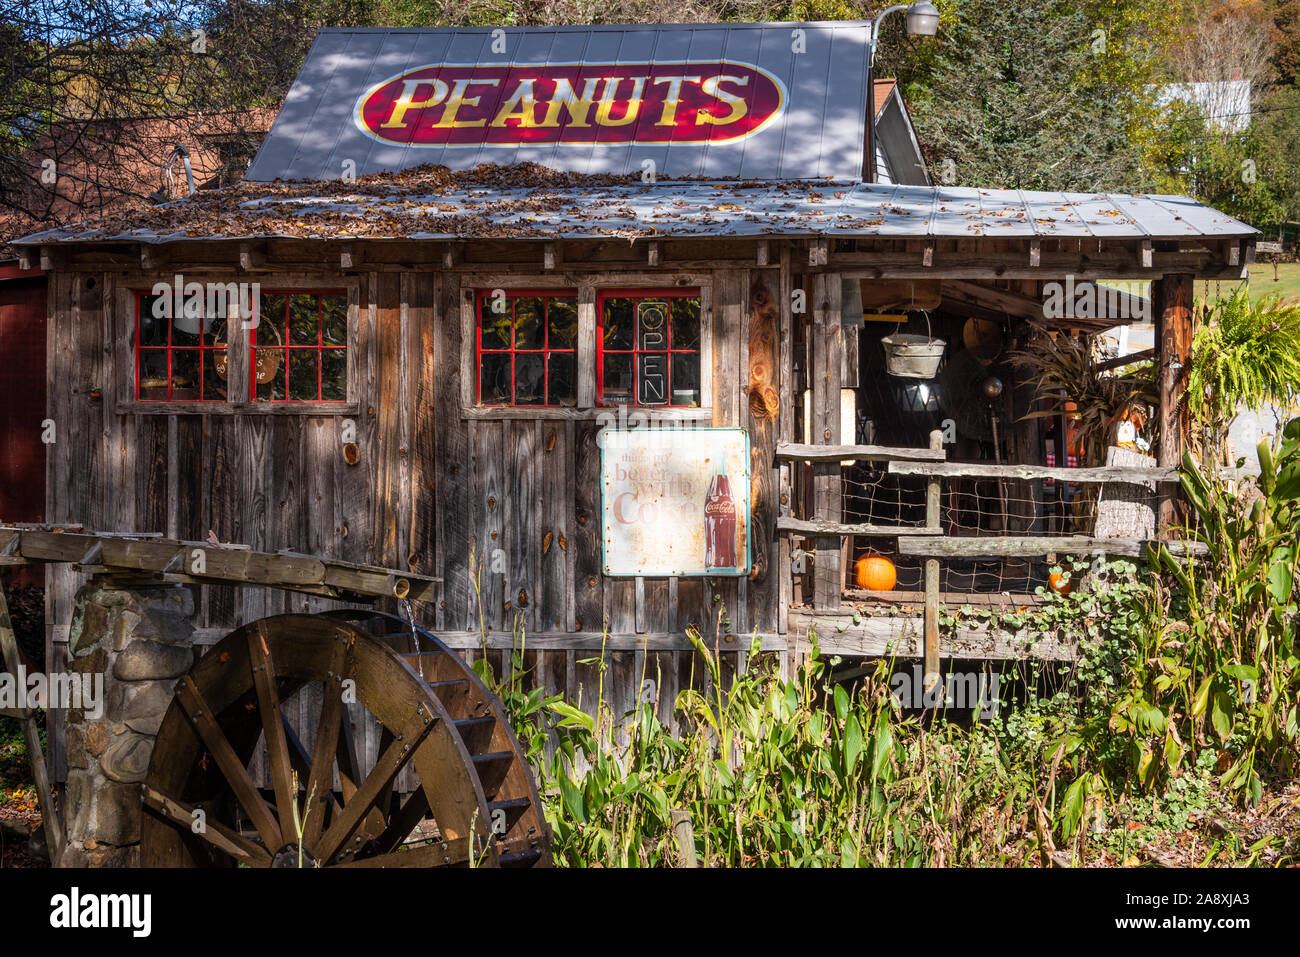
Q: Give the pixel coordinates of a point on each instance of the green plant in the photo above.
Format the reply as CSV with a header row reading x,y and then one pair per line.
x,y
1241,660
1242,352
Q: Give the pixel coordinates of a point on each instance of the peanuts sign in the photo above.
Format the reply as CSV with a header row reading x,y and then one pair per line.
x,y
447,105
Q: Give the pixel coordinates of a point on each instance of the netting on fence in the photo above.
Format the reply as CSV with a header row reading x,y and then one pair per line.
x,y
975,506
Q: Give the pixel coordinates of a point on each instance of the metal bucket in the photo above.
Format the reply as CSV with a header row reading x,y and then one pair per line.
x,y
912,357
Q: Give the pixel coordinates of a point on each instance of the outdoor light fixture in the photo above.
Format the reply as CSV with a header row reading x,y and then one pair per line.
x,y
922,21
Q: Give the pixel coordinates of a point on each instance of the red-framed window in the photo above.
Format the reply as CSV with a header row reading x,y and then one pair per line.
x,y
180,356
527,348
299,347
648,348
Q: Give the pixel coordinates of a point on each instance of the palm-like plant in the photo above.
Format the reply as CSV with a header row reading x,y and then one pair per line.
x,y
1061,369
1243,352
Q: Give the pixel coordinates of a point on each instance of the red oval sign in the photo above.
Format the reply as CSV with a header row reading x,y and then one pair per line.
x,y
516,105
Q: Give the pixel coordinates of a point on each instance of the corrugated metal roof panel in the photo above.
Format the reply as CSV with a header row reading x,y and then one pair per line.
x,y
666,209
752,100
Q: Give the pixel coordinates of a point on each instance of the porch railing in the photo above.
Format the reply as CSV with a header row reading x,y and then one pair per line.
x,y
1132,489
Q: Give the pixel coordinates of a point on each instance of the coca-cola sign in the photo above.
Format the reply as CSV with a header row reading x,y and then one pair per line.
x,y
675,501
447,105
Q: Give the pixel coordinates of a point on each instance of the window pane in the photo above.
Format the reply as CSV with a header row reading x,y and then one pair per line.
x,y
686,380
185,374
214,364
494,379
652,378
618,324
268,367
153,375
686,323
271,312
215,332
562,315
334,375
153,330
304,368
528,324
618,380
562,389
334,322
528,380
495,326
189,322
652,325
304,321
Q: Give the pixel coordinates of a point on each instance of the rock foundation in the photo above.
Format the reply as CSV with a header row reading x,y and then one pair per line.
x,y
139,638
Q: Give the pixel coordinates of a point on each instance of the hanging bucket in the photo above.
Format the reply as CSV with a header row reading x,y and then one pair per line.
x,y
913,357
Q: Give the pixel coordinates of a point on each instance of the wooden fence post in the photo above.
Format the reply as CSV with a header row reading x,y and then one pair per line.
x,y
684,832
931,672
828,477
1172,304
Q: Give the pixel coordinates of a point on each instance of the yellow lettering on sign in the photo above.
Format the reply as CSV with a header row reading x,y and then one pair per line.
x,y
738,105
521,105
674,96
565,98
459,99
609,97
407,100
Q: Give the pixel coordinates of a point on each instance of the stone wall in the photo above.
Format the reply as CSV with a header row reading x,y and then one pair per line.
x,y
139,638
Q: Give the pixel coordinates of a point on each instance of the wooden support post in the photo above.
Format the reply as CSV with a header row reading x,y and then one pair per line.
x,y
931,672
684,833
50,819
1172,302
828,477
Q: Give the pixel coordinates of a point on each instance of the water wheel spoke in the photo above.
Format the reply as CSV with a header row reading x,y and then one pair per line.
x,y
376,784
183,815
384,803
400,825
277,748
442,854
350,771
236,775
447,755
322,762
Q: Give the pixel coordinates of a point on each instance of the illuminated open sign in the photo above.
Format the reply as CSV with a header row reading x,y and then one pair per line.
x,y
652,362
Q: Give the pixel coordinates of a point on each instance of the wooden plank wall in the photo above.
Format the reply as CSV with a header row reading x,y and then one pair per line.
x,y
507,512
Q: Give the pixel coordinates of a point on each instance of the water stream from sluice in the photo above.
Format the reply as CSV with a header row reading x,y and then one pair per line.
x,y
409,611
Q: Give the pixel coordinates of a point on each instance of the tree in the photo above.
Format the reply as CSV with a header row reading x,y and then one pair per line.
x,y
1017,98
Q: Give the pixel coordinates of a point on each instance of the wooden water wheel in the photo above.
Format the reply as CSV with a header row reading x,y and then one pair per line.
x,y
472,797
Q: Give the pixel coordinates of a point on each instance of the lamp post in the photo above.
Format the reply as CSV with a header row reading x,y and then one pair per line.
x,y
922,21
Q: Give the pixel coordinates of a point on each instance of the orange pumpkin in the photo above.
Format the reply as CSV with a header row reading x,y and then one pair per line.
x,y
1060,583
875,573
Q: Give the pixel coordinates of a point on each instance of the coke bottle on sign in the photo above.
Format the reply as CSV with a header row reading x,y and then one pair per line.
x,y
719,520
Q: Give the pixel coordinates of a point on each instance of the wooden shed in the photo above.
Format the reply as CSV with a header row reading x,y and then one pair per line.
x,y
624,233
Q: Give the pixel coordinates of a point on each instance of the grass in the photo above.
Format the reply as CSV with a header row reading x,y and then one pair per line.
x,y
1261,284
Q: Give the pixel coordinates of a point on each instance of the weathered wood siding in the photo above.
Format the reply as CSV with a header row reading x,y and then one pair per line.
x,y
505,511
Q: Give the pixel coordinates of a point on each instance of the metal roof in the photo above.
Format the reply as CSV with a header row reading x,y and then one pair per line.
x,y
802,86
691,208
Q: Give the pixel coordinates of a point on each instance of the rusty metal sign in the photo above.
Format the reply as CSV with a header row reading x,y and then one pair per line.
x,y
674,502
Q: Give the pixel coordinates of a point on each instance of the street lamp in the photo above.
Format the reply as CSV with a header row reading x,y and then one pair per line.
x,y
922,21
